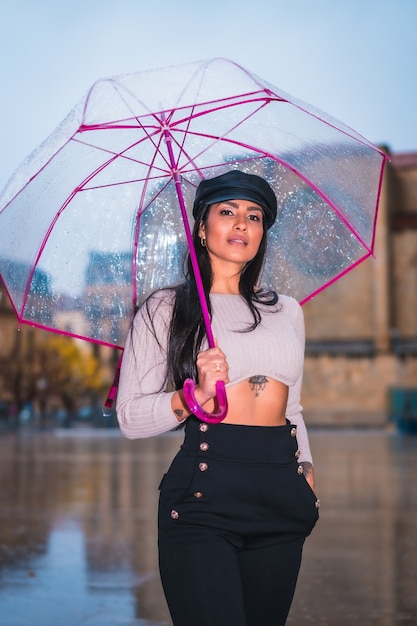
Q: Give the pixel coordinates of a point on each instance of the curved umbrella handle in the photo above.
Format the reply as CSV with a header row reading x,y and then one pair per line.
x,y
210,418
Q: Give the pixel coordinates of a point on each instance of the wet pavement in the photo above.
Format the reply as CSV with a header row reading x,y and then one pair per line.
x,y
78,530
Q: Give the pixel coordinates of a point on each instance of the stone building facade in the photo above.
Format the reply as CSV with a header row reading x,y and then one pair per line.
x,y
361,332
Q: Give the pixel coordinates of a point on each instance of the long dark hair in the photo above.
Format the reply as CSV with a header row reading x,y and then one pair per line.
x,y
187,329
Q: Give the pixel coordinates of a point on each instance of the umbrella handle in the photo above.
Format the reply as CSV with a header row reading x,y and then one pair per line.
x,y
210,418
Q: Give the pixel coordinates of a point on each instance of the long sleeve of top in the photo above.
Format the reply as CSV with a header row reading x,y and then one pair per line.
x,y
274,349
143,406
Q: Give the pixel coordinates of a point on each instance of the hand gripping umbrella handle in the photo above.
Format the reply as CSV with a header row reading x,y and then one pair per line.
x,y
210,418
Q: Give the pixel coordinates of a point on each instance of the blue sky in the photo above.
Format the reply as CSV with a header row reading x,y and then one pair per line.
x,y
355,59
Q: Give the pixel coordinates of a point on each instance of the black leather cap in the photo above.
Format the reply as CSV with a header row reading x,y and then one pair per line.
x,y
236,185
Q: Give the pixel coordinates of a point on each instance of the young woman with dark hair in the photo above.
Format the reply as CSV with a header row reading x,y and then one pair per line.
x,y
238,500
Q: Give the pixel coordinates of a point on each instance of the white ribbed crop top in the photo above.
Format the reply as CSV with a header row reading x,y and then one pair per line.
x,y
274,349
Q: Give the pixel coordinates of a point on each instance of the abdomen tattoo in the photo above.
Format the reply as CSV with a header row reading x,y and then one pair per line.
x,y
257,383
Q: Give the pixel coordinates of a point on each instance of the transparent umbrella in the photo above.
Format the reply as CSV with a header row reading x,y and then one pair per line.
x,y
99,215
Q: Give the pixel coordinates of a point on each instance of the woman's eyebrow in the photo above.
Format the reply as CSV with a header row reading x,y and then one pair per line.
x,y
235,205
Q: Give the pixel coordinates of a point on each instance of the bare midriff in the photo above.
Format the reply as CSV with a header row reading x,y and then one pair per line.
x,y
257,401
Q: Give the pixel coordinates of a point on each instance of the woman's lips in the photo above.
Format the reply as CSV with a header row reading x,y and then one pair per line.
x,y
238,240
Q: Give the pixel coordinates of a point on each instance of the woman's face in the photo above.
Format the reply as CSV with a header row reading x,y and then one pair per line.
x,y
233,231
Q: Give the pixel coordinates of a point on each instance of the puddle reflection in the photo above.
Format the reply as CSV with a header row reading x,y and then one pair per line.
x,y
78,530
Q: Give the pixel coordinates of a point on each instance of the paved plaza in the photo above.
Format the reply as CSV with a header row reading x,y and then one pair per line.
x,y
78,530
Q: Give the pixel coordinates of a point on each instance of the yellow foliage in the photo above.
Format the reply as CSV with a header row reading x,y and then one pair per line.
x,y
66,367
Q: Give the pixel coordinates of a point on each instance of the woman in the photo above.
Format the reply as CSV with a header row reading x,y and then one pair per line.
x,y
238,500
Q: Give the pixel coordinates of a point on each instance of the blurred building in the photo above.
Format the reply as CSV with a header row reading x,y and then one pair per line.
x,y
18,372
8,345
361,331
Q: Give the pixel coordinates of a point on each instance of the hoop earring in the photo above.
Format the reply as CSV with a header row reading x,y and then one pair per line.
x,y
203,241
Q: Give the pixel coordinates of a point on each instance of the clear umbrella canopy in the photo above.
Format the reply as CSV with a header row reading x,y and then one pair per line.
x,y
90,223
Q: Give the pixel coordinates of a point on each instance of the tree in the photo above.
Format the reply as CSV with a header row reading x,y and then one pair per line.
x,y
48,370
65,371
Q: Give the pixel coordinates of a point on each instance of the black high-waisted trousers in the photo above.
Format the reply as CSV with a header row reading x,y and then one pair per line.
x,y
234,512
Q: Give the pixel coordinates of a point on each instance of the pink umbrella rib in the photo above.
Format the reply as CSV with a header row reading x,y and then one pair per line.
x,y
137,225
41,168
187,131
163,122
336,278
381,176
346,130
122,153
16,312
266,154
353,134
53,222
68,334
214,109
181,145
216,105
300,175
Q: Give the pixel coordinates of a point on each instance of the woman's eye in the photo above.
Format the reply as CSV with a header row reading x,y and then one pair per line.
x,y
255,218
226,212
